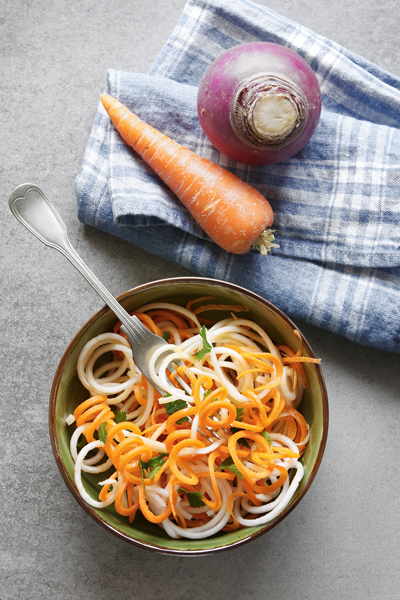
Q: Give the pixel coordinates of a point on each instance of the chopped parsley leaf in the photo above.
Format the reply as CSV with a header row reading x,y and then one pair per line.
x,y
239,417
174,406
239,414
103,433
266,435
229,465
206,345
241,441
142,475
194,498
152,466
120,416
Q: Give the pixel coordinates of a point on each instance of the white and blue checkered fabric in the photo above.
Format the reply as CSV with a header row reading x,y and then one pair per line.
x,y
336,203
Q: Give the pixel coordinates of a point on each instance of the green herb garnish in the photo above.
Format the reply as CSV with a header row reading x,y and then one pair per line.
x,y
241,441
194,498
142,475
174,406
103,433
266,435
229,465
206,345
120,416
151,467
166,335
239,417
239,414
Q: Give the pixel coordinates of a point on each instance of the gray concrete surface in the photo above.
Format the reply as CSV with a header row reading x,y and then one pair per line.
x,y
342,541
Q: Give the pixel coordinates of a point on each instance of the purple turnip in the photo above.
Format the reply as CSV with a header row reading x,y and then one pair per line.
x,y
259,103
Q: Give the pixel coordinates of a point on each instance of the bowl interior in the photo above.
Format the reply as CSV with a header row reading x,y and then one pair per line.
x,y
67,393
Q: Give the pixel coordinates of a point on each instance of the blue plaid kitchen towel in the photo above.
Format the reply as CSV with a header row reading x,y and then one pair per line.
x,y
336,203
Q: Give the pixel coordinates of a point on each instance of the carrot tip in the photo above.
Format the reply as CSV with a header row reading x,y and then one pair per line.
x,y
108,101
264,242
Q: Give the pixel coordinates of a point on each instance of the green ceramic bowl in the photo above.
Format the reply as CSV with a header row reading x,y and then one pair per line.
x,y
67,392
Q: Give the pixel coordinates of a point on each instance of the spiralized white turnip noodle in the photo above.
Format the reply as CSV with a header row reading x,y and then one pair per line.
x,y
121,375
220,450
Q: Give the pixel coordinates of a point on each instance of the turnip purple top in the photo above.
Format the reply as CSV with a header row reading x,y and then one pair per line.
x,y
259,103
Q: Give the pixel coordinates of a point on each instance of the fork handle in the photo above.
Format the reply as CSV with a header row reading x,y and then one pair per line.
x,y
31,207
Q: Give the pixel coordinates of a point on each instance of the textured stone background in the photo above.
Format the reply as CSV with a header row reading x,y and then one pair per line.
x,y
342,541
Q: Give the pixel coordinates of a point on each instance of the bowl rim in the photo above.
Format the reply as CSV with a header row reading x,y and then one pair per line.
x,y
70,483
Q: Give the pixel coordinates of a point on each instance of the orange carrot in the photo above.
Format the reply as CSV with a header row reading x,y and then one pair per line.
x,y
233,214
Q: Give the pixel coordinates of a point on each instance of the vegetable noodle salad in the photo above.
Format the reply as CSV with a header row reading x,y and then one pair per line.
x,y
220,449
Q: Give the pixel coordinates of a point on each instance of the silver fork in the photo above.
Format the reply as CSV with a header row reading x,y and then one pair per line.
x,y
31,207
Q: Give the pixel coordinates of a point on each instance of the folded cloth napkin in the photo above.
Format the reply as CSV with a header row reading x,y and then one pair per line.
x,y
336,203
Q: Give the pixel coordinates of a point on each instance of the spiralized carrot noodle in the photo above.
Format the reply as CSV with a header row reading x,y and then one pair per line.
x,y
221,454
